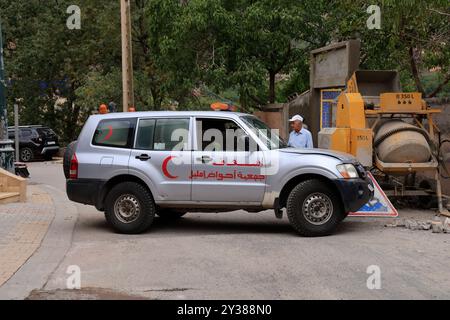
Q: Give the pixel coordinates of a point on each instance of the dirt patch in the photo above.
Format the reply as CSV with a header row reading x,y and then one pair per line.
x,y
83,294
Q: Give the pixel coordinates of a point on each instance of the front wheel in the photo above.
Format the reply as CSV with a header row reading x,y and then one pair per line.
x,y
314,209
129,208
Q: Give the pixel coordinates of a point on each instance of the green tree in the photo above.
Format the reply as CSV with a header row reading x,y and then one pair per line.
x,y
48,62
256,51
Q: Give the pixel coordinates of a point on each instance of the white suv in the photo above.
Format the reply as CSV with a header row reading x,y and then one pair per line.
x,y
136,165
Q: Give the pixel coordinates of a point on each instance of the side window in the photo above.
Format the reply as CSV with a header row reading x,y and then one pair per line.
x,y
220,135
145,134
171,134
114,133
25,133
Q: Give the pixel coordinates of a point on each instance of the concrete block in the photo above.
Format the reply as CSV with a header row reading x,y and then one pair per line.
x,y
446,225
437,227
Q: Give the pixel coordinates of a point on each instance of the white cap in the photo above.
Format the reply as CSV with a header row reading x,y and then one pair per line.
x,y
296,118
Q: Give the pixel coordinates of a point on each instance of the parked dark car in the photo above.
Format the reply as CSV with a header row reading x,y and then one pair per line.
x,y
35,142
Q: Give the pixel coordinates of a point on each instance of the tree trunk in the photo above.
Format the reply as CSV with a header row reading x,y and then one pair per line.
x,y
415,71
74,121
272,86
72,117
157,99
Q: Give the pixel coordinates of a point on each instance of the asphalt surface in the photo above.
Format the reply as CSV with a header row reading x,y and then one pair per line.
x,y
241,255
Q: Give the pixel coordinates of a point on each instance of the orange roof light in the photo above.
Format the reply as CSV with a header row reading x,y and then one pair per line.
x,y
221,106
103,109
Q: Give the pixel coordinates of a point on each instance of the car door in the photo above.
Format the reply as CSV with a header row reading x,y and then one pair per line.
x,y
162,153
223,170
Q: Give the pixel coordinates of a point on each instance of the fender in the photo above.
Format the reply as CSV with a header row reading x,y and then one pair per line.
x,y
275,186
320,171
150,184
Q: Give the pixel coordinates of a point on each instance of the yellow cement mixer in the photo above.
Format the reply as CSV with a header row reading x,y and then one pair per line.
x,y
392,133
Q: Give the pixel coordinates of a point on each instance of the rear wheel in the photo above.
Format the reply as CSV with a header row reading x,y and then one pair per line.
x,y
314,209
129,208
170,214
26,154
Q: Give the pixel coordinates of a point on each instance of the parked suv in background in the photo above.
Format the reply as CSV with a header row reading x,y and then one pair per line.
x,y
35,142
135,165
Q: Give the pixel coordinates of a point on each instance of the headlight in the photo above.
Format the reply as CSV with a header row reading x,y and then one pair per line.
x,y
348,171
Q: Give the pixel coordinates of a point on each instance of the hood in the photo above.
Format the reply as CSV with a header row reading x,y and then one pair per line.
x,y
344,157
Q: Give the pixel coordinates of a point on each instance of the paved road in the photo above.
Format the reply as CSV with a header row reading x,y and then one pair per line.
x,y
247,256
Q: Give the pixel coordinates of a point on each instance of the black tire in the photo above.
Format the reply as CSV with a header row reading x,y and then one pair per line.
x,y
135,195
320,196
48,157
26,155
170,214
68,157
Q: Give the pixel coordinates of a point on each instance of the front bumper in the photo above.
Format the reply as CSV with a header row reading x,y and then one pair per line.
x,y
355,193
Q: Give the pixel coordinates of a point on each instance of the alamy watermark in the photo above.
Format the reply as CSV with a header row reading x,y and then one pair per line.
x,y
374,280
374,21
74,20
73,281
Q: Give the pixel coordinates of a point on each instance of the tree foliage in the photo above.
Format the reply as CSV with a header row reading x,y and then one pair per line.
x,y
256,51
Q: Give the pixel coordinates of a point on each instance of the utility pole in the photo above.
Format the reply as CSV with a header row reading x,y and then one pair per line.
x,y
16,130
127,56
6,149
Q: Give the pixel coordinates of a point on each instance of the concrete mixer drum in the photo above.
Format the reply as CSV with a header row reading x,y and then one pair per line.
x,y
399,142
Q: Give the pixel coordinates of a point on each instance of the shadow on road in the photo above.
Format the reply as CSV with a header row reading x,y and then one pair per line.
x,y
188,226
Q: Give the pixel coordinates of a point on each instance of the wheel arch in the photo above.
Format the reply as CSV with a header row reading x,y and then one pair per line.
x,y
293,182
115,181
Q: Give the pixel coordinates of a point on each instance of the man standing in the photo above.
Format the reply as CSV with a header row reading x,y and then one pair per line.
x,y
299,137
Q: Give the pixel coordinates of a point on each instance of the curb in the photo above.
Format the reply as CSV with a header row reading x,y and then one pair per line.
x,y
35,273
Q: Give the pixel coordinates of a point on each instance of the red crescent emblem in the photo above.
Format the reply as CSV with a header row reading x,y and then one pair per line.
x,y
164,168
109,135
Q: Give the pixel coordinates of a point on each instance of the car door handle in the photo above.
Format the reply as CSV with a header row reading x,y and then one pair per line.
x,y
143,157
205,159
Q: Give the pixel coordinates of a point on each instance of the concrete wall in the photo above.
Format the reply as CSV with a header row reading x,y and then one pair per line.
x,y
442,121
300,105
277,117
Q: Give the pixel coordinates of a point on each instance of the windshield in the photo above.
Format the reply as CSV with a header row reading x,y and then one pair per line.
x,y
267,135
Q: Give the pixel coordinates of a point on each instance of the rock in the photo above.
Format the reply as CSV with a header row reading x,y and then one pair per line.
x,y
400,223
412,225
390,225
425,225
